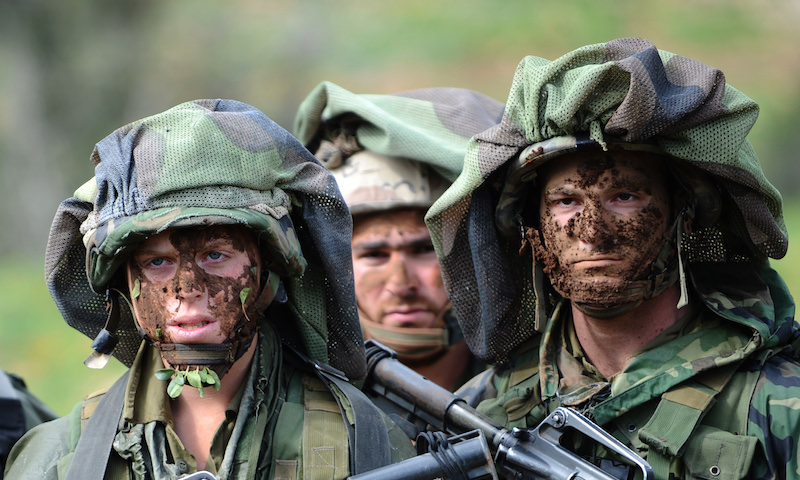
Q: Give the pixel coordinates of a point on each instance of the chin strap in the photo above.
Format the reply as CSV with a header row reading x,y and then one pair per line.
x,y
105,340
683,226
414,344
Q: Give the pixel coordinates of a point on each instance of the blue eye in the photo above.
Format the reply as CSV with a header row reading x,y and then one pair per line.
x,y
214,255
157,262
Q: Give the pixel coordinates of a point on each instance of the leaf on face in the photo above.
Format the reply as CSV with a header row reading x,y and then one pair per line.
x,y
137,289
244,294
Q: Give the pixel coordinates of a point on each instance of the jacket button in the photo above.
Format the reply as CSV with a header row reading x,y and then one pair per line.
x,y
183,467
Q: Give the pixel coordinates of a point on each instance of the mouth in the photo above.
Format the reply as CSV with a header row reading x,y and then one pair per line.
x,y
410,316
190,323
595,262
191,326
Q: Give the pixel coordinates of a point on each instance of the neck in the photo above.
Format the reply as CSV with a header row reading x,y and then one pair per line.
x,y
197,419
448,368
609,343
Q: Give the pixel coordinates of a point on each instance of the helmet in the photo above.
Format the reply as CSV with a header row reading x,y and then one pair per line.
x,y
622,94
419,137
208,162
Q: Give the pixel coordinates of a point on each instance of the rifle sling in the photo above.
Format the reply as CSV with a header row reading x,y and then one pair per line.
x,y
94,446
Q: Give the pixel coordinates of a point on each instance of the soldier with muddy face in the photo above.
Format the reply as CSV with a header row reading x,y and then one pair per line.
x,y
607,247
188,258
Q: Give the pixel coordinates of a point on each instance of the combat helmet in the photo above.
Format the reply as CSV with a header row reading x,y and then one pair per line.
x,y
623,94
395,151
208,162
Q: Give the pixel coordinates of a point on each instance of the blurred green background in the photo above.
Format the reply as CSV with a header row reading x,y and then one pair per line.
x,y
71,72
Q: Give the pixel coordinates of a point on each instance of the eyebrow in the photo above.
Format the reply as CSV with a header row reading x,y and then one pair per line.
x,y
381,244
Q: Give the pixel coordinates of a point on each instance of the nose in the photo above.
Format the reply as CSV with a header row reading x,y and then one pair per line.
x,y
185,285
592,225
400,281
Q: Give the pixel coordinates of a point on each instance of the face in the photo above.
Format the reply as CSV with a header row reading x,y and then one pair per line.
x,y
398,280
603,218
185,284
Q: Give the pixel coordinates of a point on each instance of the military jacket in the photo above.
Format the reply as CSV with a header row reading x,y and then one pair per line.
x,y
750,430
147,447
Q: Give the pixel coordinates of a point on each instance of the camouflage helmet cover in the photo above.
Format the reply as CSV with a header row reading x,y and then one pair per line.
x,y
209,162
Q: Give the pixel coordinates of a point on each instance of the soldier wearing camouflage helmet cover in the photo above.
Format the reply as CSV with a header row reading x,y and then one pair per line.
x,y
607,246
196,256
392,156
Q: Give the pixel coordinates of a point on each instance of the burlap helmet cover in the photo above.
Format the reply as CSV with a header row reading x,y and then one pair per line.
x,y
626,89
201,163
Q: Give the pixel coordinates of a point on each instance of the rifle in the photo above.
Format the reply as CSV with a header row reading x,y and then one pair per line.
x,y
519,453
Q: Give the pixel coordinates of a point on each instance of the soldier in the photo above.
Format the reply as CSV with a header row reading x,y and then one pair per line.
x,y
20,411
392,156
607,246
205,255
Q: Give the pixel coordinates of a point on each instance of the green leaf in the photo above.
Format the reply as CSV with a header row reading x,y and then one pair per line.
x,y
165,373
244,294
215,377
209,376
200,390
193,376
137,289
175,387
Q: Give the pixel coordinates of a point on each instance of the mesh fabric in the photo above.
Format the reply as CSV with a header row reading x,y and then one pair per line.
x,y
626,89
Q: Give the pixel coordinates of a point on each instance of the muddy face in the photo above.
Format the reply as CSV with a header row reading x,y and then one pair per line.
x,y
185,284
602,218
398,279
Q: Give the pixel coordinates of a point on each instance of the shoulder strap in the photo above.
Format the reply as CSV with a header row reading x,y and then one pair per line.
x,y
94,446
368,439
678,413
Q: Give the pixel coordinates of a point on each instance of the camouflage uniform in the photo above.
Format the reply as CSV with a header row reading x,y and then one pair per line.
x,y
739,333
211,162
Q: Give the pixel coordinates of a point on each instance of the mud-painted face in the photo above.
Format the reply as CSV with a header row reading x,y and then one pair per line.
x,y
398,279
603,218
186,284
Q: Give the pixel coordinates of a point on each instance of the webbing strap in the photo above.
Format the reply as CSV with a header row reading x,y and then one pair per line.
x,y
678,413
94,446
369,445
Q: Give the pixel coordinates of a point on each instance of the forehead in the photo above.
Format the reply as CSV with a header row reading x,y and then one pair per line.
x,y
382,223
585,169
